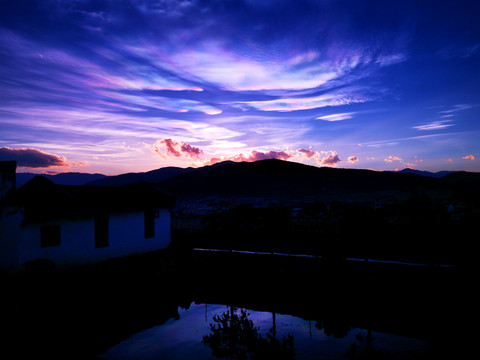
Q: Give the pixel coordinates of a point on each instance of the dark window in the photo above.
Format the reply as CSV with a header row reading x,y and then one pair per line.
x,y
149,220
101,231
50,236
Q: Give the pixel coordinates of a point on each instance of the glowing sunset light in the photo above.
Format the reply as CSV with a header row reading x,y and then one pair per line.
x,y
102,86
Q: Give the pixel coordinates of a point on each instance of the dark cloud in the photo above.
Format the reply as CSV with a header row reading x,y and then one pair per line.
x,y
32,158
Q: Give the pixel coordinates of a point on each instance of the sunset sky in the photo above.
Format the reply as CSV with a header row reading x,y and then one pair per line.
x,y
127,86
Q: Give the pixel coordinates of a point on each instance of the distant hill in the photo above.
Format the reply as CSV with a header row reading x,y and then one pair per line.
x,y
71,178
462,176
153,176
438,174
284,179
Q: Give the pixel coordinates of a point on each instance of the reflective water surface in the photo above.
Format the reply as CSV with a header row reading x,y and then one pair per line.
x,y
209,331
238,306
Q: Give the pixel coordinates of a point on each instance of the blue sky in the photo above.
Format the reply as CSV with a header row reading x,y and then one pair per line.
x,y
121,86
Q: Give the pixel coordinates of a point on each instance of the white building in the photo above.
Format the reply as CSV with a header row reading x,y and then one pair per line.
x,y
7,178
74,225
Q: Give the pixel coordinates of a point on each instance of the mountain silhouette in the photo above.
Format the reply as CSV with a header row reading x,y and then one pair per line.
x,y
70,178
153,176
283,180
437,174
287,180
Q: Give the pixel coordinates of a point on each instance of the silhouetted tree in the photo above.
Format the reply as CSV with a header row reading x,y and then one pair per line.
x,y
235,336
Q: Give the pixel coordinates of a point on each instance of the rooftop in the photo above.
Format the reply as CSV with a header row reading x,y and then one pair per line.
x,y
43,199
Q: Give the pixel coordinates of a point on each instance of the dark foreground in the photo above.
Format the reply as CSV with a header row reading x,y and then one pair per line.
x,y
80,313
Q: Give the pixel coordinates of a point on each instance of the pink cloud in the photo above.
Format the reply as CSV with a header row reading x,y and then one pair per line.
x,y
170,144
254,156
214,160
352,159
258,155
176,149
308,153
322,158
330,160
469,157
393,158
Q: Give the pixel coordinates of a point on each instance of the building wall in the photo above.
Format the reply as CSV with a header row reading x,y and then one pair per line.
x,y
10,219
7,177
77,244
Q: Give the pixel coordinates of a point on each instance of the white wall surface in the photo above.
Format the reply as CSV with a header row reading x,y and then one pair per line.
x,y
77,244
10,219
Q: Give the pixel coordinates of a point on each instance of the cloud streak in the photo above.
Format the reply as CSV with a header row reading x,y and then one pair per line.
x,y
288,104
434,125
336,117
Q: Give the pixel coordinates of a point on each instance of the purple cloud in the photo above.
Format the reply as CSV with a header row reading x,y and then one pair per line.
x,y
191,150
330,160
253,156
176,149
307,152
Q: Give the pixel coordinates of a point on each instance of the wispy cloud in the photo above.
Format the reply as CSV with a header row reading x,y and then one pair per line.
x,y
336,117
396,141
460,51
391,59
230,70
434,125
456,108
351,96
